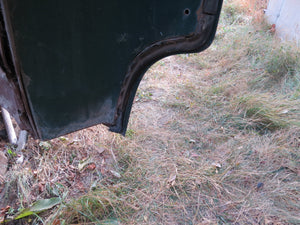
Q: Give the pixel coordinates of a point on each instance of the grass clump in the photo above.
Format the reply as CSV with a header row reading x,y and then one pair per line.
x,y
99,206
265,113
232,13
283,62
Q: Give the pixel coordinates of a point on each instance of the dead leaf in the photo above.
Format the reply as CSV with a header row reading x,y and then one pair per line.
x,y
71,176
80,186
41,187
4,210
102,168
84,163
171,180
146,218
57,222
100,150
92,166
194,155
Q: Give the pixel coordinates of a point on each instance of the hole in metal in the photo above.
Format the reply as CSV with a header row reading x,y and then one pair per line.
x,y
187,12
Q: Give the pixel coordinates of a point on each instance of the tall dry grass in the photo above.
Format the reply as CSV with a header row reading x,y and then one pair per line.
x,y
213,138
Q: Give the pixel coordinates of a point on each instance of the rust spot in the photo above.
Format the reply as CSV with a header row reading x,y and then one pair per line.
x,y
200,12
11,95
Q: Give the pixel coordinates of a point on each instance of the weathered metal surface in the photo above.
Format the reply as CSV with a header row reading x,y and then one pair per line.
x,y
78,63
10,96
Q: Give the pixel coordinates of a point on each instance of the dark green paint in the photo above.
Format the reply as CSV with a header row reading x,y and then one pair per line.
x,y
74,54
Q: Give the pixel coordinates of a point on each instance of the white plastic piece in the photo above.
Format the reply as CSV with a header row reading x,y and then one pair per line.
x,y
22,140
9,126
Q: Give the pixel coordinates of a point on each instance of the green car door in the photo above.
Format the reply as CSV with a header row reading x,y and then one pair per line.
x,y
70,64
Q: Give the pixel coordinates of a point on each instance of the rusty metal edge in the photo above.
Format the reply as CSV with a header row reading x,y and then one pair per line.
x,y
26,119
195,42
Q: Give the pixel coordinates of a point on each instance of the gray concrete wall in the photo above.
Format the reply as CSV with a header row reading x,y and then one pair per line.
x,y
285,14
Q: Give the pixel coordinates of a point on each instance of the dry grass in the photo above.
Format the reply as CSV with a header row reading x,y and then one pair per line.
x,y
213,138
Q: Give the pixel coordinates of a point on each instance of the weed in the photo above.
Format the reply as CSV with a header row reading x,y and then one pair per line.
x,y
11,153
262,114
231,13
143,96
282,62
130,133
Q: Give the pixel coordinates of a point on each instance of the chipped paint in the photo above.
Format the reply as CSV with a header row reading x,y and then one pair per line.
x,y
10,93
196,42
28,88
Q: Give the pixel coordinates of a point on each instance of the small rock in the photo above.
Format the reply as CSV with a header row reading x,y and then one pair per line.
x,y
100,150
115,174
217,165
192,141
259,186
20,159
